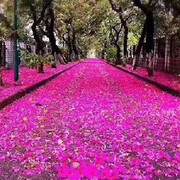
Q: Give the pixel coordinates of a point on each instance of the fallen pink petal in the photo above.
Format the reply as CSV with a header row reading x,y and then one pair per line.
x,y
82,124
89,90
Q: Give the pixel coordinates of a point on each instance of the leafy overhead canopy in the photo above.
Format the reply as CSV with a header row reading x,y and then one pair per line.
x,y
81,25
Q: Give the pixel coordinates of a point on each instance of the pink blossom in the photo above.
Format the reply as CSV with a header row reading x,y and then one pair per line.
x,y
93,121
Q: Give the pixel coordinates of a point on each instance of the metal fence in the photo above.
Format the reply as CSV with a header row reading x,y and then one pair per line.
x,y
7,52
166,55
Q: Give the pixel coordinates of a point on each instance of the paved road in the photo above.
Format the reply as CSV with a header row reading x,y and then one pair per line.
x,y
93,121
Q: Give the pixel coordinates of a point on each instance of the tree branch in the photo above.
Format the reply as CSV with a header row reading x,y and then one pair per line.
x,y
114,7
140,5
46,5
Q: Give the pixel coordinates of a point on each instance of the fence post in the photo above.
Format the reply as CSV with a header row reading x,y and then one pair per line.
x,y
16,59
167,54
155,52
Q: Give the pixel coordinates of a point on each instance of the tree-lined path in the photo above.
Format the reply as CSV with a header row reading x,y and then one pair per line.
x,y
92,122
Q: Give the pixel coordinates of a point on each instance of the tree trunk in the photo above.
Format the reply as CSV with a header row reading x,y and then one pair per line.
x,y
139,47
1,78
104,49
70,49
39,42
118,56
41,68
50,33
56,52
53,65
40,46
150,32
124,24
150,64
150,42
148,11
126,32
37,19
103,54
74,46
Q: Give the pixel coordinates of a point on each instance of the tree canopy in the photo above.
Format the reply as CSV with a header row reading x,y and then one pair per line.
x,y
74,27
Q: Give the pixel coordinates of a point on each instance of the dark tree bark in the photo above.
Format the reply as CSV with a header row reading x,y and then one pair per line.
x,y
124,24
82,54
69,46
38,38
36,22
126,32
150,43
115,41
103,54
150,32
139,47
49,23
67,41
41,68
50,30
118,60
74,45
1,78
66,44
148,11
104,50
40,45
71,41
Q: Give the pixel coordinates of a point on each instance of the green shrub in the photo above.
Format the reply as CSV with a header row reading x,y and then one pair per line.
x,y
36,61
111,53
53,61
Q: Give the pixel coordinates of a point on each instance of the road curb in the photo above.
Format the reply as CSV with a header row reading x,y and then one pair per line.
x,y
31,88
158,85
